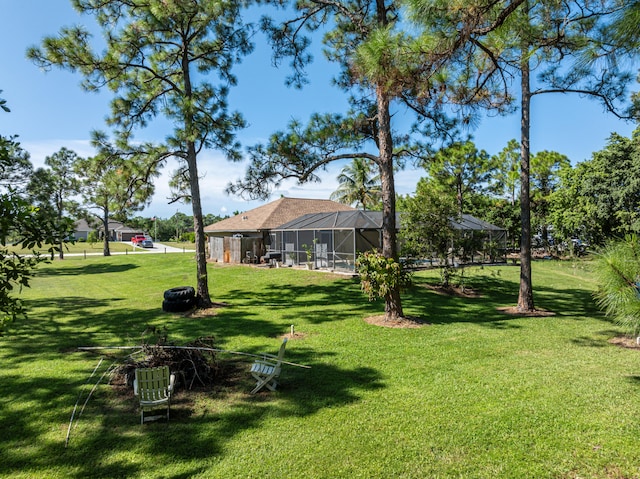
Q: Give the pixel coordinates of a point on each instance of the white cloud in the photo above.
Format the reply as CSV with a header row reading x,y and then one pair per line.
x,y
38,151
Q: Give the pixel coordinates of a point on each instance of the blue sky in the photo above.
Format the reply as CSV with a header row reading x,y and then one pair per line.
x,y
50,110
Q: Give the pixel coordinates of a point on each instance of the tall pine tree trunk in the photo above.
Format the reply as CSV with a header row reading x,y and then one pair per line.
x,y
393,303
202,284
202,288
525,295
58,203
105,239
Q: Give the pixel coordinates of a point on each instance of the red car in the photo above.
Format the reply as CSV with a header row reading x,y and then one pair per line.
x,y
137,239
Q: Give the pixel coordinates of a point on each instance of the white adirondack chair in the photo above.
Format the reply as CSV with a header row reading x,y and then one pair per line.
x,y
266,371
153,386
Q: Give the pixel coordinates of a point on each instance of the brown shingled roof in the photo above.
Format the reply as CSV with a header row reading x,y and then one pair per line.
x,y
274,214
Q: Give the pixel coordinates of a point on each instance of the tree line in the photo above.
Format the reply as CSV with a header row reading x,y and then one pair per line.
x,y
594,200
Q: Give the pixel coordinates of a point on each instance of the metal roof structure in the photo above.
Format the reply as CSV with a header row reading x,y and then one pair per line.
x,y
468,222
336,220
370,220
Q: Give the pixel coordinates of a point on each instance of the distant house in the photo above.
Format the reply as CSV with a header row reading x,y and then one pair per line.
x,y
117,230
247,237
82,230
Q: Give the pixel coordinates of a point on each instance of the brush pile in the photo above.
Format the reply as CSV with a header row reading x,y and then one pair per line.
x,y
194,364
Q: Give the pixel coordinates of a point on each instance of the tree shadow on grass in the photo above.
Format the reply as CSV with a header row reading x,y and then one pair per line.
x,y
634,379
58,326
494,292
318,304
200,431
63,324
589,342
315,299
86,269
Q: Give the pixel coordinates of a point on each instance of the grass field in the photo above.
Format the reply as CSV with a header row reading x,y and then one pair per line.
x,y
473,394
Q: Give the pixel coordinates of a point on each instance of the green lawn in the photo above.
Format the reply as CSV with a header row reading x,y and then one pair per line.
x,y
474,394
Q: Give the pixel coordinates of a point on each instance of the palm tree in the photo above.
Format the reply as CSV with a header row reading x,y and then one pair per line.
x,y
359,185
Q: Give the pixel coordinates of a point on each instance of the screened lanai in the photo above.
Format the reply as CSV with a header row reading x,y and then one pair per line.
x,y
333,239
482,241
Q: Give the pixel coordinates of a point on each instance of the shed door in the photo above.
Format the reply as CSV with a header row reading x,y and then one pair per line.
x,y
216,249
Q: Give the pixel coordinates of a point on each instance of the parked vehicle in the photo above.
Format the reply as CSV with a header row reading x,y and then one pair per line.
x,y
137,239
146,243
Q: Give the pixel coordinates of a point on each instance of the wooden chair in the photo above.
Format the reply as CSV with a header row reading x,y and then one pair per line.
x,y
153,386
266,372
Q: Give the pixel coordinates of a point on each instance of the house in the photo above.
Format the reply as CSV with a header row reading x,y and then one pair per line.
x,y
321,232
120,232
82,229
117,230
247,237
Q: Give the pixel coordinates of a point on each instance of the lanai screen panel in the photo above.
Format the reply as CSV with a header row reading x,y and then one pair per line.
x,y
367,240
344,252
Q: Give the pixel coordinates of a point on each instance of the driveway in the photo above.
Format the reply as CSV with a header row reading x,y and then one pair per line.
x,y
157,248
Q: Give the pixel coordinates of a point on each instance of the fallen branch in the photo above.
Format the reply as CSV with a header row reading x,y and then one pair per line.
x,y
75,407
110,368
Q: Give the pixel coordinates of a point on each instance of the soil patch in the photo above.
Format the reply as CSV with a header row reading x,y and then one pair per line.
x,y
408,322
537,313
205,312
458,291
295,335
625,342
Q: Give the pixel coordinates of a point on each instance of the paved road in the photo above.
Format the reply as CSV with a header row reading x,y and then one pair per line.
x,y
157,248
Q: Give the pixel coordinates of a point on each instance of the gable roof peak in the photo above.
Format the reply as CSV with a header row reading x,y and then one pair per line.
x,y
274,214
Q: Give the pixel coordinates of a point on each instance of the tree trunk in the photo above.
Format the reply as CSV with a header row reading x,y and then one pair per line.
x,y
202,289
105,223
459,196
393,303
59,210
60,238
525,295
202,285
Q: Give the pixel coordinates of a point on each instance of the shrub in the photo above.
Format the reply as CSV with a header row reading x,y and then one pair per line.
x,y
380,275
617,270
188,237
92,237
